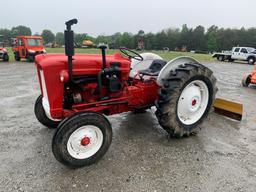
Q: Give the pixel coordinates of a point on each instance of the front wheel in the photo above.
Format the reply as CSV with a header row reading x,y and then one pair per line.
x,y
41,115
186,99
82,139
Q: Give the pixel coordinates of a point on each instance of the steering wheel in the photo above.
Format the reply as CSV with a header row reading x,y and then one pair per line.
x,y
131,54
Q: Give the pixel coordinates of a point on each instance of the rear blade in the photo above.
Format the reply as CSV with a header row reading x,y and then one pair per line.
x,y
229,109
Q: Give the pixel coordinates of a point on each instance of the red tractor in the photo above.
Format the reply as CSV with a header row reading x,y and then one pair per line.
x,y
3,51
27,47
77,91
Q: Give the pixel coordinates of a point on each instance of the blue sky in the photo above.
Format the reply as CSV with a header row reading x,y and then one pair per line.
x,y
110,16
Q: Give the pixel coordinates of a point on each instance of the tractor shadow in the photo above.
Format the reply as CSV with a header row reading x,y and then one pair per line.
x,y
144,128
140,124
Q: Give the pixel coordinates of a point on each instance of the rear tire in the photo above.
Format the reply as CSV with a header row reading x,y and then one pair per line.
x,y
42,117
246,80
193,84
251,60
221,58
82,139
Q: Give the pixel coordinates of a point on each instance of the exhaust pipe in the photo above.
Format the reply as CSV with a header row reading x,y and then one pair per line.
x,y
103,52
69,46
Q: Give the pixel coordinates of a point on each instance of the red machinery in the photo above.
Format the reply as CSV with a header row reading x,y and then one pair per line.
x,y
77,91
3,51
249,78
27,47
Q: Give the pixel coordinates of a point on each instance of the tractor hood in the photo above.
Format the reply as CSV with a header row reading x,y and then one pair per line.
x,y
52,68
82,63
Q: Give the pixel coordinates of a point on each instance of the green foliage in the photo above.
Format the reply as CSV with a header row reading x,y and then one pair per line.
x,y
211,38
79,38
197,39
59,38
6,34
20,30
48,36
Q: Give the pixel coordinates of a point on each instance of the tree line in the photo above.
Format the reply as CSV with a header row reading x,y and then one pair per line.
x,y
187,39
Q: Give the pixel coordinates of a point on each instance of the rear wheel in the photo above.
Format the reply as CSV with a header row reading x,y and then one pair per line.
x,y
41,115
82,139
186,99
251,60
246,80
221,58
6,58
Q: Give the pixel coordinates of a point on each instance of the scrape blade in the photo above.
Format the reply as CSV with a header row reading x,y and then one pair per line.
x,y
228,108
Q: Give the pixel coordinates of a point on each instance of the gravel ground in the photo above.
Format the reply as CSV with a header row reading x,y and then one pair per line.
x,y
221,157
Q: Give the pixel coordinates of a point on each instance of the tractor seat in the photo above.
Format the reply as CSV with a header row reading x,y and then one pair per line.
x,y
154,68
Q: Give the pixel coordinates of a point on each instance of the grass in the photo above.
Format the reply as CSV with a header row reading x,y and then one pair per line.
x,y
165,55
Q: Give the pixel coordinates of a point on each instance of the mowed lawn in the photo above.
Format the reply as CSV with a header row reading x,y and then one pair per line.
x,y
164,54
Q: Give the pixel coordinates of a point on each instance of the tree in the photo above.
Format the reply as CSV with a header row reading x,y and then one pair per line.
x,y
185,37
7,35
59,38
211,38
79,38
20,30
48,36
198,39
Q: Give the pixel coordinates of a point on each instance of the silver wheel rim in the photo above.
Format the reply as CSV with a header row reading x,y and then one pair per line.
x,y
85,142
251,61
193,102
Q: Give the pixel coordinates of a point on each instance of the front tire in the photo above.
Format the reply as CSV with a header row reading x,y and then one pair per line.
x,y
42,117
82,139
186,99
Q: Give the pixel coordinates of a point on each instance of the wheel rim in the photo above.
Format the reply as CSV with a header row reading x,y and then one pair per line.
x,y
193,102
85,142
251,61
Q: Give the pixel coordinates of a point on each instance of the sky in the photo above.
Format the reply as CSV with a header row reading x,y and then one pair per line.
x,y
106,17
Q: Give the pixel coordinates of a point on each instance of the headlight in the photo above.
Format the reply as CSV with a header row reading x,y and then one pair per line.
x,y
64,76
31,51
